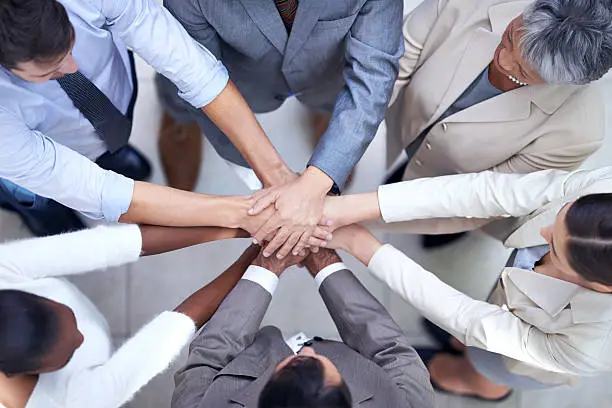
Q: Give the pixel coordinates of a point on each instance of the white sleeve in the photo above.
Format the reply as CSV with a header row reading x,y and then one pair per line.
x,y
153,33
474,323
263,277
477,195
71,253
139,360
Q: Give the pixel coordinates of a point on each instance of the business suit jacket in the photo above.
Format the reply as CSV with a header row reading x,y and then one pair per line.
x,y
340,56
232,359
549,329
448,43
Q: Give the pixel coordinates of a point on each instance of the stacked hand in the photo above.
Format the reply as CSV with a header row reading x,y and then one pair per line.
x,y
296,223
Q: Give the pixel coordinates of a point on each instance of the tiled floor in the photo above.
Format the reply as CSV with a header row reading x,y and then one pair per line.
x,y
132,295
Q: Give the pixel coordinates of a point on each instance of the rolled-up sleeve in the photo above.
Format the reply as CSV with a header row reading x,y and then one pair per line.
x,y
33,161
155,35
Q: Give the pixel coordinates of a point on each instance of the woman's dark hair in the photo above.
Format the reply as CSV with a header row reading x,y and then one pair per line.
x,y
589,243
29,329
33,30
301,384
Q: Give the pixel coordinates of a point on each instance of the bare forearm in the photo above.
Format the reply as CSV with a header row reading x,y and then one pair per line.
x,y
233,116
203,304
157,240
159,205
362,245
351,209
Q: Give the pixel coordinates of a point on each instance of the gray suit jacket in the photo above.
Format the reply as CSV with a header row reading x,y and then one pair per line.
x,y
231,360
340,55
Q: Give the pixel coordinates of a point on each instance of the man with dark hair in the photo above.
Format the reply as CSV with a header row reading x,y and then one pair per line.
x,y
67,94
233,361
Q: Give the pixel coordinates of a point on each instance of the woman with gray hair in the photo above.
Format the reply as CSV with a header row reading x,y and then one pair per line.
x,y
502,85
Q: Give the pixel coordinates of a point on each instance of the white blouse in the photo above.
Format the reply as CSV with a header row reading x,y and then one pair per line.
x,y
94,377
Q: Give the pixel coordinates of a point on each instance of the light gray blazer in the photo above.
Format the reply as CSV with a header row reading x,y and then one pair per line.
x,y
232,359
341,55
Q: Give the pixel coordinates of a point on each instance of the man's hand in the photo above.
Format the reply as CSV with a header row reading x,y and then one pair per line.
x,y
316,262
299,207
276,265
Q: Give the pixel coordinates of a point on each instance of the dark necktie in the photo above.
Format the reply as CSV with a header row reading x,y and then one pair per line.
x,y
287,10
110,124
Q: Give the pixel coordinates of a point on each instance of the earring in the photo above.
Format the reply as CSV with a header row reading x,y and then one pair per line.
x,y
516,81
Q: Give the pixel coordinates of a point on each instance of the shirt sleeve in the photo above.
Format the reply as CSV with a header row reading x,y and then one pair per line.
x,y
151,32
71,253
476,323
373,48
328,271
139,360
263,277
479,195
33,161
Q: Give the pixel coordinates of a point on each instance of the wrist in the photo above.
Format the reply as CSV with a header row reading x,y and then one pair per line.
x,y
265,263
236,212
278,174
317,180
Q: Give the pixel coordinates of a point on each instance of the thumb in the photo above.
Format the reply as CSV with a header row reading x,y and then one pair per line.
x,y
262,202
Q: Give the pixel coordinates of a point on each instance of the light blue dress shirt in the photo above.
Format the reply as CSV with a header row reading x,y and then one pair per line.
x,y
47,145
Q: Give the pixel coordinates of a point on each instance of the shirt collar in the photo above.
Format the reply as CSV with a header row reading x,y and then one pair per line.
x,y
554,295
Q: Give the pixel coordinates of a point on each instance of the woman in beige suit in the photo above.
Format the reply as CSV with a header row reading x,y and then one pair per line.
x,y
500,85
549,319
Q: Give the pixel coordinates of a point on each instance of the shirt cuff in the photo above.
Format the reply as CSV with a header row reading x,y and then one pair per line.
x,y
263,277
117,195
327,271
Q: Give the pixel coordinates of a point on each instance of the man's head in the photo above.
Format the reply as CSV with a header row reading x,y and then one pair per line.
x,y
307,380
36,39
37,335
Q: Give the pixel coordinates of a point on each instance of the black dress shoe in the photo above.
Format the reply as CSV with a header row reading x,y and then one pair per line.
x,y
126,161
44,216
438,241
398,175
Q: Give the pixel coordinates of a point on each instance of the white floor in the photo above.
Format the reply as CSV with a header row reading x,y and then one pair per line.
x,y
130,296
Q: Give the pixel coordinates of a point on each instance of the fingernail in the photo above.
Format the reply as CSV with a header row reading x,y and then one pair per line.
x,y
329,222
279,256
255,241
265,254
295,253
329,237
251,211
324,244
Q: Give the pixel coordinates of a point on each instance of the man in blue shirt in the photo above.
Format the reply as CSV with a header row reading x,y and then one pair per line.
x,y
66,95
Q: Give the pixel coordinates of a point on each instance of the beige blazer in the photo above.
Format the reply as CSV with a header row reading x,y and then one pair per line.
x,y
448,43
548,329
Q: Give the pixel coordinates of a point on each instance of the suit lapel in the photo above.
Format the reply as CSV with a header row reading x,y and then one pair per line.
x,y
308,13
477,54
267,18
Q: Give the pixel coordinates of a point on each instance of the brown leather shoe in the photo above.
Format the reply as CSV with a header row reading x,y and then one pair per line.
x,y
180,148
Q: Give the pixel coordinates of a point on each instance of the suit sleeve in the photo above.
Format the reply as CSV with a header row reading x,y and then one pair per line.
x,y
366,326
227,334
190,15
476,323
372,51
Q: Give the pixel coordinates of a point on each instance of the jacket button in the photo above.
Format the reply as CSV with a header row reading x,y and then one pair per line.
x,y
418,162
428,146
444,126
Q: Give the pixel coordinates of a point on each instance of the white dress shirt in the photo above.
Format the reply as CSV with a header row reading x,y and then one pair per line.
x,y
47,145
94,377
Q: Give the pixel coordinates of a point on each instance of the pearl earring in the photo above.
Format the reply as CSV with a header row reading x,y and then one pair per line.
x,y
516,81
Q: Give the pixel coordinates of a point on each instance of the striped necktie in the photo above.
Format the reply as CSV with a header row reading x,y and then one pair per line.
x,y
287,10
110,124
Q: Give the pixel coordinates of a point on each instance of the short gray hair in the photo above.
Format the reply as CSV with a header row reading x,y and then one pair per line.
x,y
568,41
